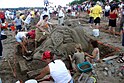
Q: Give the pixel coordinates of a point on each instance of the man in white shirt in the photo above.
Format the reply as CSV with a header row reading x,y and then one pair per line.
x,y
27,21
45,12
7,14
107,9
56,69
18,23
61,15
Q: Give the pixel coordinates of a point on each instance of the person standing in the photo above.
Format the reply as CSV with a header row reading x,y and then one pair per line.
x,y
27,22
91,20
122,25
1,47
61,15
45,12
46,2
18,23
107,9
112,19
97,10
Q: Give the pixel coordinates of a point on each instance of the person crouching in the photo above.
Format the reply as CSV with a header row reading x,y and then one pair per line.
x,y
56,68
21,38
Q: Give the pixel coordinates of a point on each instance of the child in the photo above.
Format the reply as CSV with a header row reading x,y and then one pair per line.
x,y
95,53
78,56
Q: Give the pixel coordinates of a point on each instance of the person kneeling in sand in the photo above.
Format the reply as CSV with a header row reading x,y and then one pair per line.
x,y
95,57
56,68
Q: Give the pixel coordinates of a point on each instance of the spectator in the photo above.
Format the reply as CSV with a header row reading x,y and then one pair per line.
x,y
2,36
2,16
91,21
1,47
112,20
18,23
28,21
46,2
97,10
122,20
45,12
56,68
61,15
107,10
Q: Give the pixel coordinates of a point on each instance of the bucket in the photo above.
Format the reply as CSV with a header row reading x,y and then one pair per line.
x,y
84,67
31,81
12,28
96,32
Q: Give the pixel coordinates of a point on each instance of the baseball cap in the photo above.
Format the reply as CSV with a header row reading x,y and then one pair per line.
x,y
46,55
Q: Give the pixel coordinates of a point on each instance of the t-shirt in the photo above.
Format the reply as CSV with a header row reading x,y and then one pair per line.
x,y
18,21
28,19
97,9
78,57
59,72
61,14
107,8
20,35
44,13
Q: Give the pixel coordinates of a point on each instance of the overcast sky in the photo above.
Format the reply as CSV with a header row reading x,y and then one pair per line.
x,y
29,3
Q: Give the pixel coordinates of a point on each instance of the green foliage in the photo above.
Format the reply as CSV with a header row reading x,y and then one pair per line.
x,y
80,1
77,2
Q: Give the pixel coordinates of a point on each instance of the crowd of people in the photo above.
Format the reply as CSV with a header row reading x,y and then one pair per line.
x,y
26,19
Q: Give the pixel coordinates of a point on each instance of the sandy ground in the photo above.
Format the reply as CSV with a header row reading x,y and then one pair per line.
x,y
9,54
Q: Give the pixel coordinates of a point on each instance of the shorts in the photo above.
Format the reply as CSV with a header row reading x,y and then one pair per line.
x,y
97,20
19,27
107,13
19,39
112,23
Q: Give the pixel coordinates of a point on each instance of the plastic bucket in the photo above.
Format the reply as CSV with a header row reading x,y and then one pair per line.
x,y
89,68
96,32
12,28
31,81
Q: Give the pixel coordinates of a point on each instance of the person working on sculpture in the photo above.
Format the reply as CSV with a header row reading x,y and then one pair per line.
x,y
56,68
95,57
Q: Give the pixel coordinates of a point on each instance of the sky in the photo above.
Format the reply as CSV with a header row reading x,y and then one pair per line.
x,y
30,3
